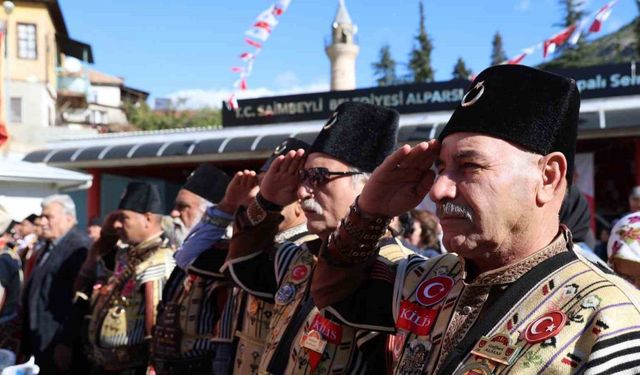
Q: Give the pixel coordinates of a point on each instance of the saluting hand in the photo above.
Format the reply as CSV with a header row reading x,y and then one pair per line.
x,y
243,187
281,181
401,182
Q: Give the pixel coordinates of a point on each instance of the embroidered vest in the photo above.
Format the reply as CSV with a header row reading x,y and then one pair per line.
x,y
117,319
322,345
548,321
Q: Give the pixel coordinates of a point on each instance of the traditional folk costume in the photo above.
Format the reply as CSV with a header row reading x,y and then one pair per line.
x,y
121,308
301,339
195,325
553,312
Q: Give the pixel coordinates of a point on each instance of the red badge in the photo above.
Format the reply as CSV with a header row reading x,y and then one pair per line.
x,y
415,318
299,273
434,290
544,327
330,331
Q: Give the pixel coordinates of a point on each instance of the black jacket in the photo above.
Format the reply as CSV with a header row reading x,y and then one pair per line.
x,y
48,294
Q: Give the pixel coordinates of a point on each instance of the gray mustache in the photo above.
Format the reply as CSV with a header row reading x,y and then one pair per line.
x,y
450,209
312,205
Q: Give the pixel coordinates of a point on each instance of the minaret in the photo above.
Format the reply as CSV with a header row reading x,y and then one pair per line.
x,y
343,51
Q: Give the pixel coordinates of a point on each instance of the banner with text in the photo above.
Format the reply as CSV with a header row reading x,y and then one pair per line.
x,y
593,82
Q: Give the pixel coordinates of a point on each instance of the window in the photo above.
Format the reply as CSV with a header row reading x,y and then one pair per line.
x,y
27,46
98,117
16,110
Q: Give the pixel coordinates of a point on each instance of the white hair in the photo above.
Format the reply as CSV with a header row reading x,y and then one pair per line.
x,y
68,207
359,178
204,204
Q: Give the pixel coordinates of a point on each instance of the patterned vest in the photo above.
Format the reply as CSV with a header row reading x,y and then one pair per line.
x,y
322,345
255,315
117,322
556,313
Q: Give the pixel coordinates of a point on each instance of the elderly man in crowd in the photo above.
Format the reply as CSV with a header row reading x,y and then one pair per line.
x,y
512,296
192,201
124,309
193,331
303,340
49,291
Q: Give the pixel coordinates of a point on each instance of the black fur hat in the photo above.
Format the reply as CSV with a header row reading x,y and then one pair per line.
x,y
359,134
208,182
284,147
141,197
531,108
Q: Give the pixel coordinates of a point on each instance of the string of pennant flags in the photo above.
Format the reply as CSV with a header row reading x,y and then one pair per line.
x,y
569,35
264,24
255,37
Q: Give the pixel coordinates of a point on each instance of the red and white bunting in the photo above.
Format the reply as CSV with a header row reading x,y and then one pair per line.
x,y
601,16
550,45
255,36
569,35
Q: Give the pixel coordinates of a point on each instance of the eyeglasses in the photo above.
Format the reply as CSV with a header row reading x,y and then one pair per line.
x,y
314,177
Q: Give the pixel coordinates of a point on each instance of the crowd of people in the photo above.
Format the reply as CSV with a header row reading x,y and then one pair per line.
x,y
320,263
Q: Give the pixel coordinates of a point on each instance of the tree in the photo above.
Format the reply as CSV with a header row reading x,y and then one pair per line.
x,y
385,69
420,56
573,12
142,117
460,70
498,55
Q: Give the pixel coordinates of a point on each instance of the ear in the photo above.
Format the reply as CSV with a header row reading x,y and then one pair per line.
x,y
148,218
553,181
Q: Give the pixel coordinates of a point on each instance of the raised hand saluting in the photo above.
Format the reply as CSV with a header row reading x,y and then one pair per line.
x,y
243,187
281,181
401,182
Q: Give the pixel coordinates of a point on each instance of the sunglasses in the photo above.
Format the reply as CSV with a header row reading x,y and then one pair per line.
x,y
314,177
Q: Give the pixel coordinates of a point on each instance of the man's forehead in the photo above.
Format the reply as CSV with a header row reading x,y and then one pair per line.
x,y
319,159
459,145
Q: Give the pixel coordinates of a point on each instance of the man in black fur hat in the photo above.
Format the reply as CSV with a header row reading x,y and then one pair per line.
x,y
198,342
512,296
203,187
302,340
124,309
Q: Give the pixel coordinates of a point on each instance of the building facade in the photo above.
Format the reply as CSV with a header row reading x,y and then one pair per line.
x,y
36,43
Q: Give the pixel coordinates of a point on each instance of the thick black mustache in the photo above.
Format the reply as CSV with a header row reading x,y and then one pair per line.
x,y
450,209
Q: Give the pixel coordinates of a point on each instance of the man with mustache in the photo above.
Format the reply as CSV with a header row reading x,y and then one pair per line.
x,y
302,340
513,297
123,310
254,274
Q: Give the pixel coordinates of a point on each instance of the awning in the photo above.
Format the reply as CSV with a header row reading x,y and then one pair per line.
x,y
249,143
23,172
196,145
79,50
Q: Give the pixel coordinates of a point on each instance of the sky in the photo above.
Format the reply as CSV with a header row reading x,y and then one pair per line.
x,y
186,48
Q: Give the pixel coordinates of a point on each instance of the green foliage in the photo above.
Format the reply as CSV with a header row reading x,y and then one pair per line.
x,y
497,52
420,56
142,117
385,68
460,70
573,12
